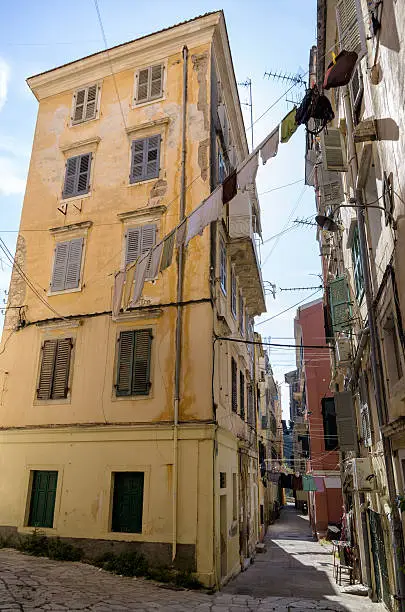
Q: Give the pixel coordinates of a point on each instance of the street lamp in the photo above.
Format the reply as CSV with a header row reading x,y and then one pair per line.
x,y
330,225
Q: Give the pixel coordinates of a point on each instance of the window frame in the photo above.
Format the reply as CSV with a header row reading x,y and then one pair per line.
x,y
80,282
145,151
358,276
78,194
74,123
331,441
140,226
135,103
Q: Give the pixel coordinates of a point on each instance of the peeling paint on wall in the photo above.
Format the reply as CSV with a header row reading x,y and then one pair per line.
x,y
18,286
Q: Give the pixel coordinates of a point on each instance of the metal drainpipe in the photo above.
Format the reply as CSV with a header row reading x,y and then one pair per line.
x,y
179,317
396,524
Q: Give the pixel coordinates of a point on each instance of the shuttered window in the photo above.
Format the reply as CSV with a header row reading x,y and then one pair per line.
x,y
85,104
145,159
250,406
77,175
340,305
222,265
241,316
140,240
242,395
67,265
233,292
43,494
234,385
133,364
329,423
345,421
357,266
350,24
333,151
55,367
149,83
127,502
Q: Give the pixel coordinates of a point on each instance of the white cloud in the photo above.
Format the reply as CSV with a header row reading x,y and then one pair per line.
x,y
11,181
4,75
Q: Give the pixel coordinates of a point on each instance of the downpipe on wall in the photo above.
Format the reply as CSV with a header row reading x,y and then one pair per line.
x,y
179,313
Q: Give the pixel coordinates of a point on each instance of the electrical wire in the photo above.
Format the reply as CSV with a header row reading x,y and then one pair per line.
x,y
280,187
289,308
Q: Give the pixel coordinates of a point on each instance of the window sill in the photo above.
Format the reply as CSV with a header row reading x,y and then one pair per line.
x,y
143,182
147,102
85,121
76,197
52,402
64,291
130,398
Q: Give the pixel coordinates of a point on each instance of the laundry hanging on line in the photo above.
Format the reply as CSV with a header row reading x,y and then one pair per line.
x,y
288,125
119,282
269,147
308,483
204,214
320,487
155,260
247,175
140,275
129,283
229,187
168,248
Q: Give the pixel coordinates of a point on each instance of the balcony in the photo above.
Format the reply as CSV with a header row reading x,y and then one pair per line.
x,y
242,225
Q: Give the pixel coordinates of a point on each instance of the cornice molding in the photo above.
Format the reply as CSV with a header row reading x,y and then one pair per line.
x,y
80,143
141,213
148,124
125,57
64,229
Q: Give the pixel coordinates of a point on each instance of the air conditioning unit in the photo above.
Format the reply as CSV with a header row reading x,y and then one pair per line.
x,y
344,353
363,475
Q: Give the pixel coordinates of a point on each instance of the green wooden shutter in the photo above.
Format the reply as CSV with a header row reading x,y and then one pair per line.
x,y
43,496
125,363
60,387
340,305
345,421
59,266
133,244
44,390
74,263
141,372
128,502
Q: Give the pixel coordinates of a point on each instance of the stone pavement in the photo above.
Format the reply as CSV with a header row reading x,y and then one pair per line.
x,y
294,575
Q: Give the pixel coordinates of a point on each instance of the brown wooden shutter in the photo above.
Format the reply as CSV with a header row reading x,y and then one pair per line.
x,y
141,374
61,371
44,390
125,363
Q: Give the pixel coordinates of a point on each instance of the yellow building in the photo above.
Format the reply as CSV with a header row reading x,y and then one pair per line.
x,y
136,429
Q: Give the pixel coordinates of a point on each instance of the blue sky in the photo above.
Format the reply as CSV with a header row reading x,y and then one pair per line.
x,y
265,35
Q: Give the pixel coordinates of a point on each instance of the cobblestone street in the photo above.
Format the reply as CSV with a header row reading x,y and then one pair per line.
x,y
294,574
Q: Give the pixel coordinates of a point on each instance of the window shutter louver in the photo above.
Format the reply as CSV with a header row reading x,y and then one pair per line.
x,y
142,89
340,305
330,184
44,390
133,244
133,373
156,81
153,155
138,160
148,240
54,374
77,177
141,375
346,425
61,370
74,262
91,102
79,106
59,266
351,26
125,363
333,151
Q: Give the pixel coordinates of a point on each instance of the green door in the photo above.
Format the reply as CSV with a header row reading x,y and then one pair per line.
x,y
128,502
43,498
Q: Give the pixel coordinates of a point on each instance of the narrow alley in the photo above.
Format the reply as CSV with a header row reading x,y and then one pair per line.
x,y
294,574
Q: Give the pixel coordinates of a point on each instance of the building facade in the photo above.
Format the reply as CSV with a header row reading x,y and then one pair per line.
x,y
319,443
358,173
136,429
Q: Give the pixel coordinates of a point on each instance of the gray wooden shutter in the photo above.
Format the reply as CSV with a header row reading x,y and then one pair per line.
x,y
91,102
153,157
333,150
345,421
138,160
44,390
59,266
156,81
148,241
142,86
79,106
125,363
74,262
77,177
141,374
351,26
61,371
133,244
70,176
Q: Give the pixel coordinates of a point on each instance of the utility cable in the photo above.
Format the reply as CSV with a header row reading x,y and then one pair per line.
x,y
289,308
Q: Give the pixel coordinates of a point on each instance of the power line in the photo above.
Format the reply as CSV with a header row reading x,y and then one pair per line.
x,y
280,187
289,308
